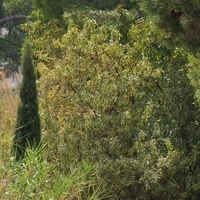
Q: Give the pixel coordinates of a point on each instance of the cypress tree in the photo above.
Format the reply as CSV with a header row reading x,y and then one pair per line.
x,y
27,130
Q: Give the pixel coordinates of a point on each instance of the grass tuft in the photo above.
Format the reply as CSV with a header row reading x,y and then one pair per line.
x,y
35,178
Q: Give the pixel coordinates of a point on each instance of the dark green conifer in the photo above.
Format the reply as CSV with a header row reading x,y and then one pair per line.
x,y
27,130
182,18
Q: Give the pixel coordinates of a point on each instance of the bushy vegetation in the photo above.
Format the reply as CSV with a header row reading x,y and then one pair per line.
x,y
118,111
34,177
127,106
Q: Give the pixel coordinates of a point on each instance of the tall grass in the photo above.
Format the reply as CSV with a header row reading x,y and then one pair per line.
x,y
8,110
34,177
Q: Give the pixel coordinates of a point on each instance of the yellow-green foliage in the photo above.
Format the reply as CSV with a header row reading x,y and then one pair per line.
x,y
128,107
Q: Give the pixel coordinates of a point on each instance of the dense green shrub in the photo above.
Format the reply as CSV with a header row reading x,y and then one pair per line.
x,y
129,108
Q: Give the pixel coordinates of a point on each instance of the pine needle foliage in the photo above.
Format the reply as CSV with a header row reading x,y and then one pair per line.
x,y
27,130
181,18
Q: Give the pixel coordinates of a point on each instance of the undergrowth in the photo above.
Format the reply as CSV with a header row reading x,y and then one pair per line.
x,y
34,177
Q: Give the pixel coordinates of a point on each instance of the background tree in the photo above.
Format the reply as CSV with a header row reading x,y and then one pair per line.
x,y
11,43
27,130
7,18
52,9
182,18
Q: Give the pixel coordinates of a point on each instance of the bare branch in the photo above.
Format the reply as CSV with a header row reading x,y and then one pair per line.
x,y
11,18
